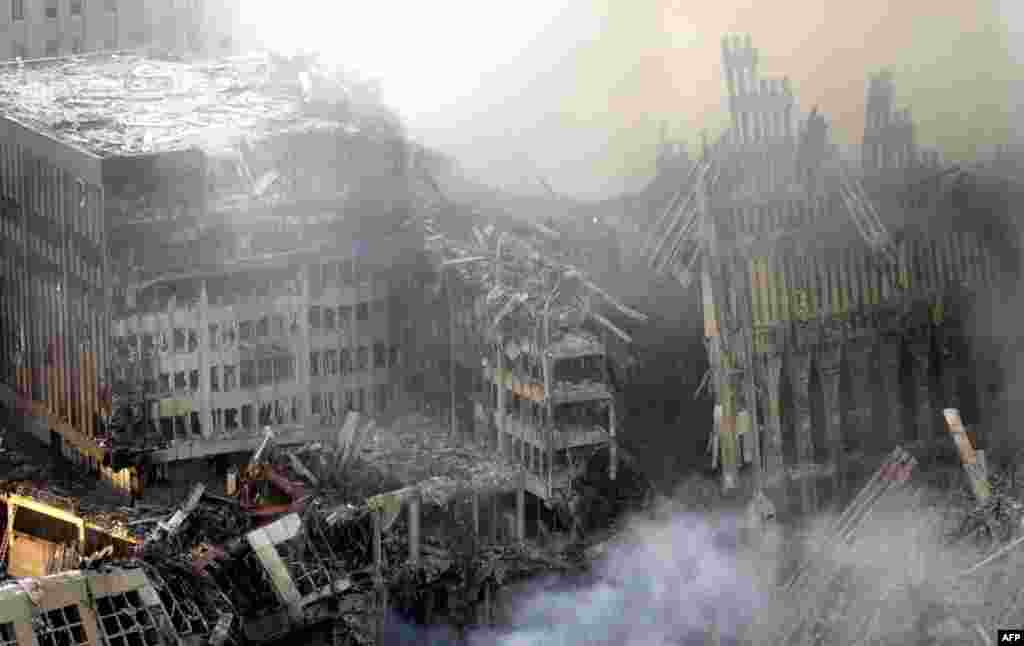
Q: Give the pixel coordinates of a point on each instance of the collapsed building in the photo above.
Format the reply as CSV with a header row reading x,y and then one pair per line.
x,y
195,250
837,300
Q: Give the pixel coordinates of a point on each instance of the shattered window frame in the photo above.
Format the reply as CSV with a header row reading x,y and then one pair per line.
x,y
180,339
122,616
65,621
7,635
247,374
178,599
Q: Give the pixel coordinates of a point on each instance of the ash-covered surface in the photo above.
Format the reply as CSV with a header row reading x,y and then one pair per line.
x,y
128,103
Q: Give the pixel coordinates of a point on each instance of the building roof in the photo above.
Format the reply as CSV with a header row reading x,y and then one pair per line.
x,y
120,104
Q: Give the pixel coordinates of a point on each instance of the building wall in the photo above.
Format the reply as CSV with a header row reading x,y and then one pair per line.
x,y
331,350
61,27
53,311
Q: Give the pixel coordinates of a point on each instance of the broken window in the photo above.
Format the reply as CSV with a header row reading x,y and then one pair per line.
x,y
332,362
363,311
178,336
314,364
348,400
347,274
305,564
147,345
193,380
329,274
393,356
194,425
329,318
344,317
76,7
284,369
179,380
214,340
380,355
316,403
51,9
218,421
247,417
7,634
178,598
245,331
314,317
60,627
382,397
363,358
295,409
231,419
248,373
228,335
52,48
193,340
165,382
360,400
266,368
230,378
278,326
346,361
263,327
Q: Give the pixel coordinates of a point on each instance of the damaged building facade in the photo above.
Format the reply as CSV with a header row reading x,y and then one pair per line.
x,y
836,299
195,251
31,29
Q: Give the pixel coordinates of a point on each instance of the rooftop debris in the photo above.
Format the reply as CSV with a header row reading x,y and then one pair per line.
x,y
129,104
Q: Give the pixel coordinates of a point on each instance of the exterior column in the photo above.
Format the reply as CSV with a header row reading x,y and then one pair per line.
x,y
302,361
203,359
476,514
890,355
800,378
773,455
521,508
414,530
499,384
860,362
925,408
828,365
951,364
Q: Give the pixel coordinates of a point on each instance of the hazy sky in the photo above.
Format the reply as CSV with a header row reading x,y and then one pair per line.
x,y
574,89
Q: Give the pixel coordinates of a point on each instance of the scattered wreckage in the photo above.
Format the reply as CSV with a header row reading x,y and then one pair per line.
x,y
248,568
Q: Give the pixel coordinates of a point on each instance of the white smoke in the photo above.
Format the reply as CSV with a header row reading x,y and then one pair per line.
x,y
667,585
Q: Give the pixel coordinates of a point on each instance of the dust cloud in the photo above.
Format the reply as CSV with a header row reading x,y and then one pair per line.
x,y
675,574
